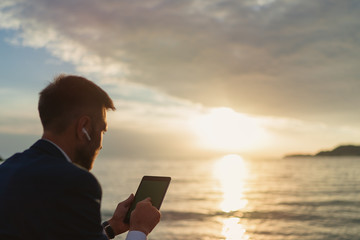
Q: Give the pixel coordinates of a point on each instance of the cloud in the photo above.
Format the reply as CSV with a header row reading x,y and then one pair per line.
x,y
293,60
134,143
280,57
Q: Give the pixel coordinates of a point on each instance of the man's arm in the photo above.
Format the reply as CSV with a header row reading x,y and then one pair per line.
x,y
76,210
79,208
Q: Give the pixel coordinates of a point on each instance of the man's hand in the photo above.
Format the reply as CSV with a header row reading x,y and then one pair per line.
x,y
117,220
145,217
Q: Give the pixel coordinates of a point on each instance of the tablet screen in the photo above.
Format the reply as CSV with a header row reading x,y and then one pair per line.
x,y
154,187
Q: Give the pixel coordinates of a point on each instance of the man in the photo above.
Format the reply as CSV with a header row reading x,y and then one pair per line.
x,y
47,192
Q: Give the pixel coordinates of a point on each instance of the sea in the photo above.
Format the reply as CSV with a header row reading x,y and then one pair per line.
x,y
235,198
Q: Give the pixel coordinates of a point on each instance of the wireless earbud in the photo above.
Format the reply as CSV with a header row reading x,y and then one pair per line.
x,y
86,134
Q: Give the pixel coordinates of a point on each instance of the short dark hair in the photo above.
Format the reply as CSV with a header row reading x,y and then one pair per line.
x,y
67,97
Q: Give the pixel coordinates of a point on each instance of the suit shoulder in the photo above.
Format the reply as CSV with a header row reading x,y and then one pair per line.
x,y
83,174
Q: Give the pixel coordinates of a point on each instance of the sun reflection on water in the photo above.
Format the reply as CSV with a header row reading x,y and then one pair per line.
x,y
232,230
231,171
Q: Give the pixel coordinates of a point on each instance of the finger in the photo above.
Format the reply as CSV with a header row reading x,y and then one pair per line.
x,y
129,200
146,201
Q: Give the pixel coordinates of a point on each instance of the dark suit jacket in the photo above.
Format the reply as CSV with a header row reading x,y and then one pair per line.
x,y
43,196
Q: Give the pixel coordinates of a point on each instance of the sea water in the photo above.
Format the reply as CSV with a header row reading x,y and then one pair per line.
x,y
234,199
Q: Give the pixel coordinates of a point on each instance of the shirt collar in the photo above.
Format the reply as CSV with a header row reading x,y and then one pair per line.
x,y
62,151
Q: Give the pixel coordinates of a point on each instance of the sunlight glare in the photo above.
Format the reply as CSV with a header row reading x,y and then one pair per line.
x,y
225,129
231,172
232,230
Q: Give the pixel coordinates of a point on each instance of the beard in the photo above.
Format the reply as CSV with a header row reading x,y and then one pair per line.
x,y
85,157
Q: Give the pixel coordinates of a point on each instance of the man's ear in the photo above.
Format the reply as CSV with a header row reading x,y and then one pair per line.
x,y
83,128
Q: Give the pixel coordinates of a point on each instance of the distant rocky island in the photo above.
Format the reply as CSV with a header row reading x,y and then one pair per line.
x,y
342,150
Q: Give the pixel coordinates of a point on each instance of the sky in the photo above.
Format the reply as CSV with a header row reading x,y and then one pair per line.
x,y
190,78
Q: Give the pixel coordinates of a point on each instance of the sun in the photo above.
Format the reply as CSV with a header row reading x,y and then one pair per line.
x,y
226,130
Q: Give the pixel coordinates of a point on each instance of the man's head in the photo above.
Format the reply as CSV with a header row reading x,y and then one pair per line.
x,y
73,107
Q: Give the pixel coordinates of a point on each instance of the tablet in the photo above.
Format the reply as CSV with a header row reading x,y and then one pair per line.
x,y
154,187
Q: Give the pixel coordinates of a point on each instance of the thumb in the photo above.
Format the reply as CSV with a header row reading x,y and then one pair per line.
x,y
129,200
